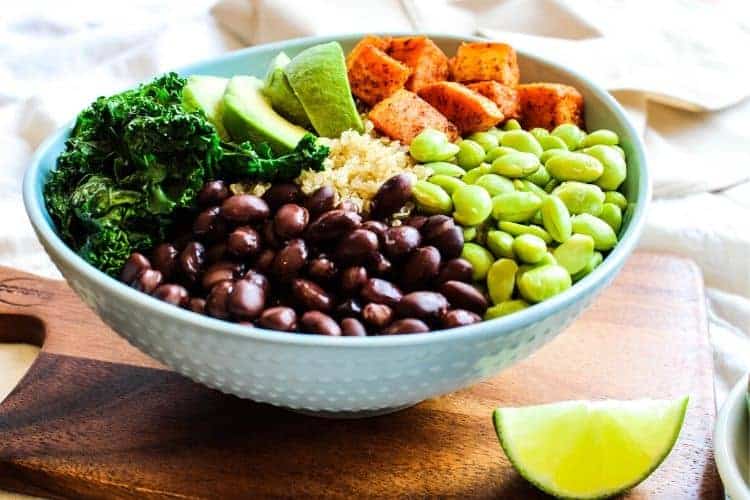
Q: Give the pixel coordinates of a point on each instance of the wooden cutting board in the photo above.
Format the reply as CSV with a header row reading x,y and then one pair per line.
x,y
94,418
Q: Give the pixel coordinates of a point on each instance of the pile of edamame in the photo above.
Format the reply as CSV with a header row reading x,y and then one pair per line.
x,y
539,209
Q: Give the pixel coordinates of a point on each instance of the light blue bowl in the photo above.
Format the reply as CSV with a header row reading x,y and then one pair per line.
x,y
341,376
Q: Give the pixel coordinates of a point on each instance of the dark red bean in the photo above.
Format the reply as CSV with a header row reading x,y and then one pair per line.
x,y
436,224
322,269
423,305
216,252
269,235
459,317
290,221
135,264
213,193
408,325
311,295
455,270
244,208
278,318
191,260
290,260
450,242
263,262
399,241
356,246
147,281
247,300
378,264
392,196
353,278
281,194
243,242
464,296
348,205
172,294
416,221
209,225
332,225
319,323
377,227
351,327
377,315
421,267
259,279
381,291
350,307
217,301
197,305
322,200
220,271
164,258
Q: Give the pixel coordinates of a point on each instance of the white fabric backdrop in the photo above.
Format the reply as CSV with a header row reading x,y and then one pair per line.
x,y
679,66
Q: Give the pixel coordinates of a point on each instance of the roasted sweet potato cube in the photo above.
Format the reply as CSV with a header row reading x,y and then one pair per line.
x,y
506,98
427,62
370,40
374,75
548,105
469,110
480,61
403,115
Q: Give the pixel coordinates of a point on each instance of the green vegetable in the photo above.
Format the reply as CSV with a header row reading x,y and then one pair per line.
x,y
612,215
445,168
556,218
500,244
472,204
520,140
432,145
450,184
505,308
580,197
541,283
518,206
501,279
601,136
529,249
480,259
431,198
575,167
485,139
604,236
495,184
516,164
571,134
470,154
516,229
575,253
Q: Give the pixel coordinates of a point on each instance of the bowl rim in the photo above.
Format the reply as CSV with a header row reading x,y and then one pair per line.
x,y
36,211
724,434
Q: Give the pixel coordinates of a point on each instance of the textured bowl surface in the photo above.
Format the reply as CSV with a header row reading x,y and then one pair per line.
x,y
731,443
341,376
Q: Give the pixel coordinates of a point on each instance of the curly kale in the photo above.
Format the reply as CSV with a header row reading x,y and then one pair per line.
x,y
133,160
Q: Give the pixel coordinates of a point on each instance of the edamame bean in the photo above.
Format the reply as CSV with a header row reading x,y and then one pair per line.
x,y
527,185
529,248
552,142
520,140
480,259
495,184
571,134
547,260
592,264
450,184
612,215
500,244
574,167
615,169
603,235
543,282
580,197
617,198
431,198
505,308
432,145
620,150
485,139
537,219
496,132
511,124
551,185
549,153
496,152
518,206
541,177
445,168
470,154
575,253
516,164
475,173
470,233
556,218
539,132
601,136
516,229
501,280
472,205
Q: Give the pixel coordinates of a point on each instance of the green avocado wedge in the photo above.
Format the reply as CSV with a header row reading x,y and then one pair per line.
x,y
206,93
248,116
280,93
319,79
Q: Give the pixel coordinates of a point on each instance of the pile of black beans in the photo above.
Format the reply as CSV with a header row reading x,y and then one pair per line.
x,y
292,262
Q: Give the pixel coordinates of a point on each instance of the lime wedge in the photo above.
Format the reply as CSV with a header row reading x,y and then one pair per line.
x,y
586,449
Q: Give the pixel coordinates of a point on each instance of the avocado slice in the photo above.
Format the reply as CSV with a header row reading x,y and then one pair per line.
x,y
248,116
206,93
319,79
281,95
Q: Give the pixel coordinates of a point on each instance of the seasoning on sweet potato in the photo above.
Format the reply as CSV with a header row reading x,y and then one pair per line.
x,y
548,105
469,110
428,63
506,98
404,115
374,75
370,40
480,61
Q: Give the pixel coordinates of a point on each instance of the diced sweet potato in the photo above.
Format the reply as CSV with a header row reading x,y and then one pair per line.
x,y
427,62
370,40
547,105
469,110
374,75
506,98
480,61
404,115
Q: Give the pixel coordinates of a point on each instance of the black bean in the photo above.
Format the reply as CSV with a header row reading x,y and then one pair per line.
x,y
164,258
216,252
352,279
219,271
197,305
191,260
311,295
290,221
259,279
290,260
247,300
416,221
278,318
319,323
332,225
263,262
392,195
422,305
147,281
436,224
455,270
399,241
464,296
356,246
450,242
322,200
133,266
377,315
459,317
209,225
381,291
378,264
351,327
350,307
269,235
322,269
172,294
377,227
217,302
408,325
244,208
213,193
421,267
281,194
243,242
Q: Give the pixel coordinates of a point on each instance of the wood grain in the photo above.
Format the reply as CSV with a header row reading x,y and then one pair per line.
x,y
103,421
